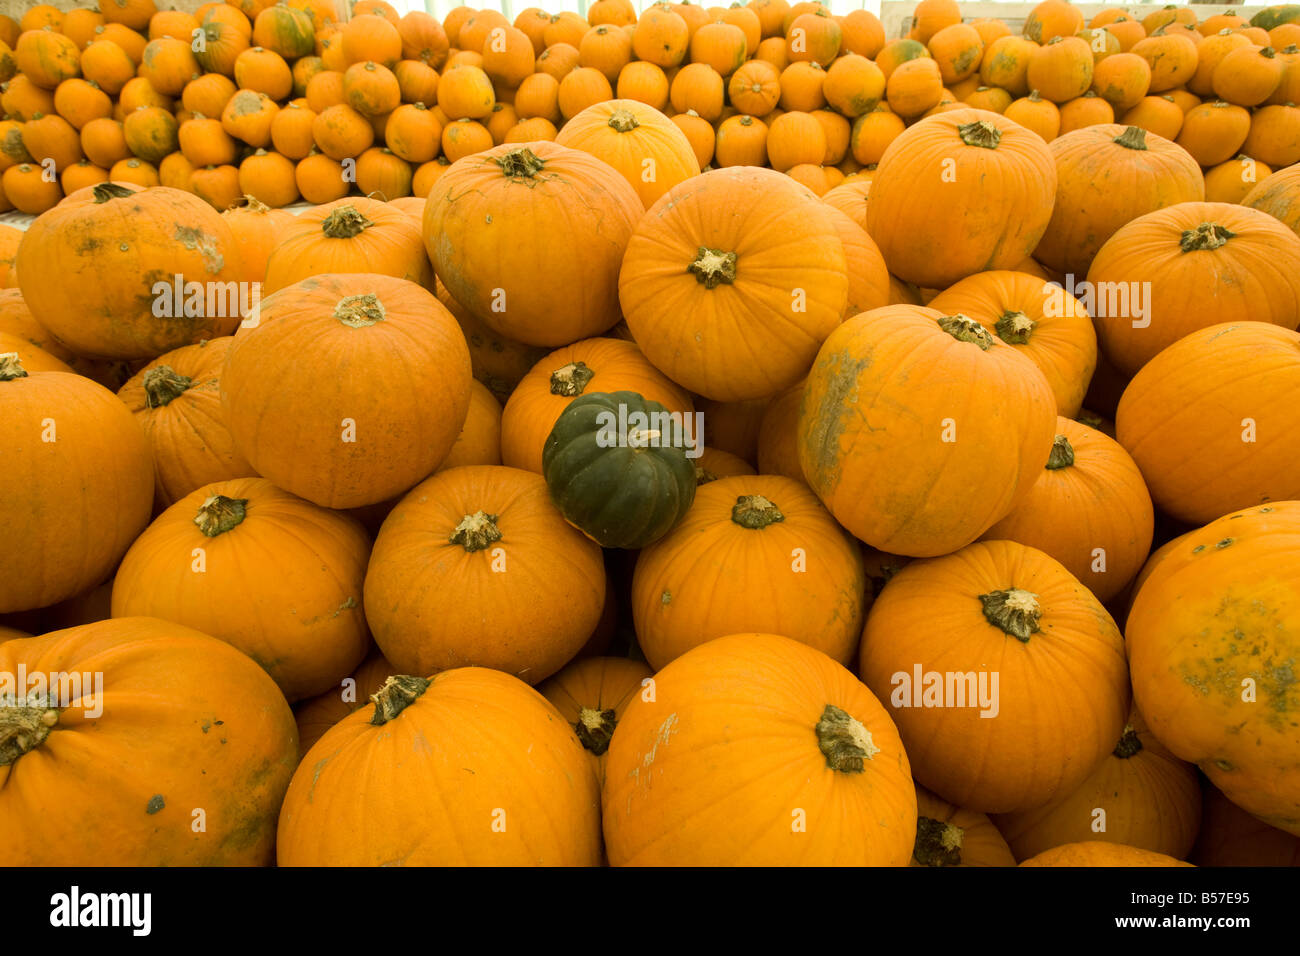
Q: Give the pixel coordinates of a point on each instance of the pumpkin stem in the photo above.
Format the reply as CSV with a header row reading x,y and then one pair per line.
x,y
521,163
162,384
1268,53
1015,328
1208,236
360,311
570,380
219,514
1014,611
937,843
475,532
965,329
11,367
398,693
623,120
703,476
1062,455
594,728
713,266
981,133
1135,137
103,192
345,223
844,741
1129,744
755,512
24,725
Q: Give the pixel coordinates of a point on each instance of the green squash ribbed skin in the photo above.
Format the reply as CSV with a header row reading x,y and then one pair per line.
x,y
623,497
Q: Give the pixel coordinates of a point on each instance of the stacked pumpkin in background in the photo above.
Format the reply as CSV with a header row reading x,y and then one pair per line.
x,y
960,403
288,100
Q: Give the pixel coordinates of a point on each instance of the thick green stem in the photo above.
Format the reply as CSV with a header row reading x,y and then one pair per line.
x,y
1062,454
595,728
1129,744
755,512
981,133
220,514
345,222
163,384
937,843
965,329
570,380
1013,611
844,741
360,311
713,267
476,532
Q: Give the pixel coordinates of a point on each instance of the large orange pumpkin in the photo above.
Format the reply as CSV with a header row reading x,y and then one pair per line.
x,y
592,365
302,623
1042,320
757,750
1279,196
648,149
512,783
76,487
1089,509
1105,177
905,457
177,400
1195,265
1213,423
348,389
1002,630
189,728
349,235
1211,635
99,271
528,238
939,199
754,554
1140,795
591,694
732,281
477,567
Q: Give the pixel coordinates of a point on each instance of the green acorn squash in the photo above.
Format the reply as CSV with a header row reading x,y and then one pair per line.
x,y
617,468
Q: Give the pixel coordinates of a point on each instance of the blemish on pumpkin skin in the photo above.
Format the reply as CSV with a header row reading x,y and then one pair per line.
x,y
196,240
156,803
840,373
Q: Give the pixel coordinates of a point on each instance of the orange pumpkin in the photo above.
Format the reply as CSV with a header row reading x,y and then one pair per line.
x,y
1203,450
946,170
1143,172
435,593
90,294
1061,692
1140,795
68,435
354,235
479,441
1279,196
257,229
303,624
661,36
221,737
651,153
679,761
1207,630
591,365
751,552
592,694
526,770
349,444
950,836
539,293
1099,853
954,470
177,401
1172,58
1041,319
1242,260
1061,69
706,285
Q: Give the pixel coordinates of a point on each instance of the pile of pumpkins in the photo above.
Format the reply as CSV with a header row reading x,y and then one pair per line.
x,y
286,100
630,505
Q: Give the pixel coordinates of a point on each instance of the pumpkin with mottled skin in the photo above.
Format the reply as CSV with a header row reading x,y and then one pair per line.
x,y
89,269
220,737
1211,635
899,461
